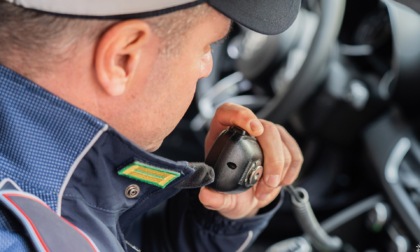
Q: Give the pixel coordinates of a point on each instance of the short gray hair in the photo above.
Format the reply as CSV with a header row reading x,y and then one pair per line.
x,y
171,27
51,37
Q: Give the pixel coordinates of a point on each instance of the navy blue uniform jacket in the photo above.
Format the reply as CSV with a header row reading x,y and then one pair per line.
x,y
77,165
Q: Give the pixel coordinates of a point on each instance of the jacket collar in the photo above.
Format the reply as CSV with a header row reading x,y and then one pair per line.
x,y
44,139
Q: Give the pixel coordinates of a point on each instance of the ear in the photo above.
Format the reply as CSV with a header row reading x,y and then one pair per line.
x,y
118,53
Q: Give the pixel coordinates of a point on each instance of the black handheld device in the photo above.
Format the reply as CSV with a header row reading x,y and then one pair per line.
x,y
237,160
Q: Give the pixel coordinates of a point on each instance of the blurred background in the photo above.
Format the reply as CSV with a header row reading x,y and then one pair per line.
x,y
343,80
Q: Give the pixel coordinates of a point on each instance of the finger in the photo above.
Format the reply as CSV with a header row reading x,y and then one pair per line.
x,y
230,114
263,202
296,160
287,161
232,206
274,158
214,200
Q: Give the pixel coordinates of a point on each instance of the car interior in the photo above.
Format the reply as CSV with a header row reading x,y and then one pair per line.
x,y
344,81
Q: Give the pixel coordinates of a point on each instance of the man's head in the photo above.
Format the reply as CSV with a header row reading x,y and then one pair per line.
x,y
137,74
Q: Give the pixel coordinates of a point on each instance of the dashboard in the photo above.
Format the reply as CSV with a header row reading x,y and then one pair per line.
x,y
381,38
366,35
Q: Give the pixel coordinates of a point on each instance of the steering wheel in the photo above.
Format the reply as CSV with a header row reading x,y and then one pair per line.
x,y
305,47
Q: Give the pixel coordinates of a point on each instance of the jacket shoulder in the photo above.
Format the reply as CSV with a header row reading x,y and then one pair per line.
x,y
26,221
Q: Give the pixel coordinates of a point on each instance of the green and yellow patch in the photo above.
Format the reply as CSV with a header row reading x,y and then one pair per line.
x,y
149,174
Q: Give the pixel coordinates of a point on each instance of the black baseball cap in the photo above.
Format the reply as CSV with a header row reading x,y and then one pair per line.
x,y
263,16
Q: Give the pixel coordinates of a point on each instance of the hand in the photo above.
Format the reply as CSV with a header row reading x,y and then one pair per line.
x,y
282,162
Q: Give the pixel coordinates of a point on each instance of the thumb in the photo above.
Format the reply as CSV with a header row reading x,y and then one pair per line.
x,y
213,200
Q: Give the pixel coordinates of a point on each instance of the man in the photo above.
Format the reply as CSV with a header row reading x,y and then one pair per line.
x,y
87,90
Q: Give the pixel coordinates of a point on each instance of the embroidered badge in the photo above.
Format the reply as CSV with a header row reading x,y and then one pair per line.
x,y
149,174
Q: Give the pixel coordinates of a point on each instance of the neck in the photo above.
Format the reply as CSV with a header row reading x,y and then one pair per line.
x,y
71,79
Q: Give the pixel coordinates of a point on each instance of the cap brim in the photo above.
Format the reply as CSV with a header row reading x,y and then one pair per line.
x,y
264,16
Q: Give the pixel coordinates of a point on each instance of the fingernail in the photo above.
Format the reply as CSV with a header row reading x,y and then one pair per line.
x,y
273,180
256,126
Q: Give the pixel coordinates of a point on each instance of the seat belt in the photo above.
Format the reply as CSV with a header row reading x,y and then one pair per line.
x,y
46,230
